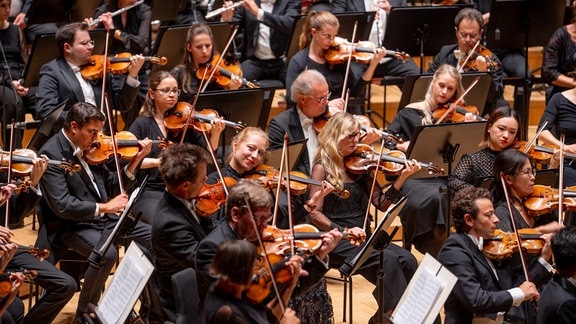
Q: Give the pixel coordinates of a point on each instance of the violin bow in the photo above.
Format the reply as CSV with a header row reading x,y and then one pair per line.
x,y
230,39
374,180
463,64
9,172
533,139
561,181
279,185
114,145
472,85
215,163
288,193
345,84
263,249
514,227
105,68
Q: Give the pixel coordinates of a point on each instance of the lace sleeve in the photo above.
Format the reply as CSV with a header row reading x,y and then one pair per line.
x,y
460,176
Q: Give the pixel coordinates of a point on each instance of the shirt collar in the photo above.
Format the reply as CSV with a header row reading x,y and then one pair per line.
x,y
479,242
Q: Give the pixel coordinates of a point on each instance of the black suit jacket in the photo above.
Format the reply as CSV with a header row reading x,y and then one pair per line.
x,y
288,122
341,6
175,237
557,302
70,200
280,21
58,82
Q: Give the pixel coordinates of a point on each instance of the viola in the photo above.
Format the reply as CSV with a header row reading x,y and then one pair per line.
x,y
504,244
176,118
298,181
456,112
361,52
223,72
364,159
103,148
545,199
117,64
211,196
472,65
22,162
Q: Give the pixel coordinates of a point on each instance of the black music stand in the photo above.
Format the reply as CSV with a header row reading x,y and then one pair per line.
x,y
424,29
84,9
520,24
49,11
378,241
44,49
47,127
295,149
171,43
166,11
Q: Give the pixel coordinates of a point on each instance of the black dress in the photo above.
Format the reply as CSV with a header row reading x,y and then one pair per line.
x,y
242,312
470,168
559,58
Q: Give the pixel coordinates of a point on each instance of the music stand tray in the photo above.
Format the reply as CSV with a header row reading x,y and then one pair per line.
x,y
443,145
274,156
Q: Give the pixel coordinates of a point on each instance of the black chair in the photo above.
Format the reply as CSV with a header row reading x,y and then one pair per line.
x,y
186,296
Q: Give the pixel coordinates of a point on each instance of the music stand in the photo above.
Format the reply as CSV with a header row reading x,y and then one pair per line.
x,y
346,20
171,43
424,29
49,11
44,49
84,9
274,156
416,86
166,10
520,24
48,126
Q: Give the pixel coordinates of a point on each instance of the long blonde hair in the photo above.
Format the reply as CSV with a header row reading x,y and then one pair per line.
x,y
316,20
428,105
338,127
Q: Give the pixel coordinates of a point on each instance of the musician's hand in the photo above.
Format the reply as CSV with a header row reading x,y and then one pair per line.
x,y
5,235
235,82
115,204
337,103
7,251
6,192
403,146
16,278
379,55
295,266
469,117
39,165
20,21
358,235
546,252
530,291
481,64
145,148
371,136
107,20
251,6
136,63
228,14
570,148
19,88
329,241
384,4
217,126
289,317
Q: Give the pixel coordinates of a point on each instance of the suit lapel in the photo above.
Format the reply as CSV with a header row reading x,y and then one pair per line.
x,y
183,210
69,77
68,154
479,256
297,134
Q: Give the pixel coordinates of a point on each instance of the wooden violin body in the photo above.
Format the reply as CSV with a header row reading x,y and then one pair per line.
x,y
177,118
503,244
117,64
22,162
222,73
361,52
455,112
211,196
545,199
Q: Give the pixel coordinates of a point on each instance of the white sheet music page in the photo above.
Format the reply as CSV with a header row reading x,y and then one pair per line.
x,y
127,284
420,300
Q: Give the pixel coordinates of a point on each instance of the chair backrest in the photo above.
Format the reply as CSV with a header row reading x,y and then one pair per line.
x,y
186,296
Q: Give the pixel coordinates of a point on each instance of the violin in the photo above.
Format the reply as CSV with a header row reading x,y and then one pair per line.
x,y
176,118
364,159
103,148
262,279
472,65
503,244
361,52
298,181
117,64
456,112
211,196
538,154
545,199
22,162
223,73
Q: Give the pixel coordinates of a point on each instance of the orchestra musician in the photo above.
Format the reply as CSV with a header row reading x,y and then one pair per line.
x,y
468,31
76,209
336,141
233,265
267,26
485,289
178,230
199,52
19,13
162,96
61,78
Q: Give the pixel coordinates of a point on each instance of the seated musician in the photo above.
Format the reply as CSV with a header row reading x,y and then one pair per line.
x,y
178,229
233,264
161,97
62,78
468,30
267,27
485,289
557,302
199,52
11,307
76,209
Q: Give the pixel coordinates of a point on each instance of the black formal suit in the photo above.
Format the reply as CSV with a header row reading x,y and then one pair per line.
x,y
58,82
175,236
207,249
557,302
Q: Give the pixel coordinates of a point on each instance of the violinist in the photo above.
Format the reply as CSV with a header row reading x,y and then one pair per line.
x,y
337,140
199,52
468,32
61,78
13,312
318,35
558,299
76,209
178,229
162,96
267,29
233,265
519,176
485,290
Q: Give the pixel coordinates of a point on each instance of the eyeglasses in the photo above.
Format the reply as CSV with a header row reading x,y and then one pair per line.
x,y
326,35
530,171
466,35
322,100
167,91
353,136
88,42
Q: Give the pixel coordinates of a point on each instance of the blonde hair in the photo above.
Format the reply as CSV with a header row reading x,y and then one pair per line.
x,y
316,20
247,132
429,105
338,127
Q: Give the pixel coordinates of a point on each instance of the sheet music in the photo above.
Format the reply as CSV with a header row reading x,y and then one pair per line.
x,y
417,305
127,284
